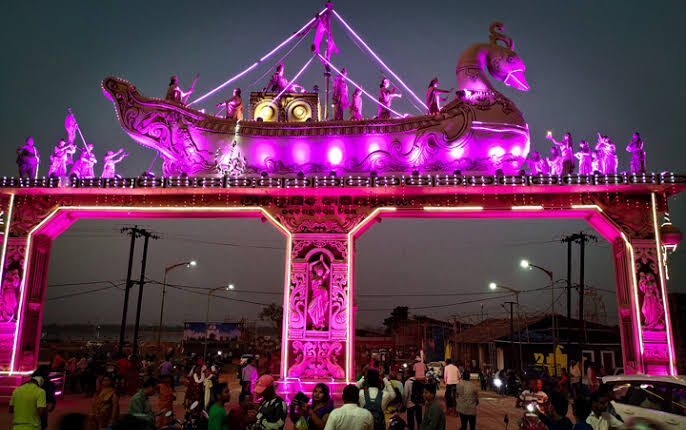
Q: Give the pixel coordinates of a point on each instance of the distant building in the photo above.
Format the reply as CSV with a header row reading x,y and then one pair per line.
x,y
489,344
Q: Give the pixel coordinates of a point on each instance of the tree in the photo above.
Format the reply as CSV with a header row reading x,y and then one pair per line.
x,y
274,314
399,315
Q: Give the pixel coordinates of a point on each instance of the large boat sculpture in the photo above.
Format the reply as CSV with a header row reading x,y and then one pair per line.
x,y
479,132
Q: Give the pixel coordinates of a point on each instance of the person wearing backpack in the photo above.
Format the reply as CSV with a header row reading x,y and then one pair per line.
x,y
376,398
414,399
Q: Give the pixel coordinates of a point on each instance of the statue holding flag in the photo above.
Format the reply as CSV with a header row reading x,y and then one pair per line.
x,y
340,96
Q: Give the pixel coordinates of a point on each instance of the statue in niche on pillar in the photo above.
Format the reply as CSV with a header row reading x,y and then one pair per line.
x,y
319,303
9,296
652,309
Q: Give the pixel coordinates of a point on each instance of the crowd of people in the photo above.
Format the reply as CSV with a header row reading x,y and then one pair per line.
x,y
386,396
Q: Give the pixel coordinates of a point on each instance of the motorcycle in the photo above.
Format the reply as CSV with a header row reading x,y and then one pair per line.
x,y
530,420
192,419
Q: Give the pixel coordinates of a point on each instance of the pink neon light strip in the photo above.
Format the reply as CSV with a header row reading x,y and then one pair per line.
x,y
357,86
295,78
658,250
388,69
291,37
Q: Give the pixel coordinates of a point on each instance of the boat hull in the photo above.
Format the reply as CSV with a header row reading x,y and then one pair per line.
x,y
481,135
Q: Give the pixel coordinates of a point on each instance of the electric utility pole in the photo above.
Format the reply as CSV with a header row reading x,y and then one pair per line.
x,y
147,235
133,231
582,238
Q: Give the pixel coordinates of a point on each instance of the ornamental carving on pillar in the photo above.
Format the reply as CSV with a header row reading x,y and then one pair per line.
x,y
31,210
299,223
11,282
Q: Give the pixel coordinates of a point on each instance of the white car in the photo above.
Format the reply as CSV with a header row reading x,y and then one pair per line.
x,y
659,400
437,366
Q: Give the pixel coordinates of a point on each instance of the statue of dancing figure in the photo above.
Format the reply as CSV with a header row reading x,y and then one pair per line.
x,y
608,155
433,94
277,83
319,303
556,162
175,93
61,158
83,167
652,309
233,106
109,163
28,159
566,152
585,157
638,155
340,96
386,96
538,165
356,106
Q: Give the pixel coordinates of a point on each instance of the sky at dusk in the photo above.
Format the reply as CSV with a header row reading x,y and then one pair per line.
x,y
613,67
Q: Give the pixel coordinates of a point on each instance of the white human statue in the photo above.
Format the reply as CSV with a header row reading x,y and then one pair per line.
x,y
585,157
109,162
386,96
84,166
356,105
61,158
566,152
340,96
28,159
608,155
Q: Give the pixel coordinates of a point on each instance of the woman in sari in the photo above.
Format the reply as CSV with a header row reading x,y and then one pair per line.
x,y
104,408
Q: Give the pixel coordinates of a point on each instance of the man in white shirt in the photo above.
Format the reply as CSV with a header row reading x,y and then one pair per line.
x,y
350,416
451,375
599,418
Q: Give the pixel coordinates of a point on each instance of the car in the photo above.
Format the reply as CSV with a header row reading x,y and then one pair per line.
x,y
658,400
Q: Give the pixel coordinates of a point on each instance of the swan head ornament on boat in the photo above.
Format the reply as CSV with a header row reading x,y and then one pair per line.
x,y
479,132
499,58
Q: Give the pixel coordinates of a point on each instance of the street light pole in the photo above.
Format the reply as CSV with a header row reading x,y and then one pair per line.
x,y
516,292
168,269
527,265
207,317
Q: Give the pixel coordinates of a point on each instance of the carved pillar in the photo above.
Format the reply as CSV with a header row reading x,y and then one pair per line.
x,y
34,296
651,310
317,319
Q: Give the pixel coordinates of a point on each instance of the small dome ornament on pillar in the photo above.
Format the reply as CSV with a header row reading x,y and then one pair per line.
x,y
670,234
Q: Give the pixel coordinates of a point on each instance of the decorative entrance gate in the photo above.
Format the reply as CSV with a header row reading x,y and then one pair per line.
x,y
322,217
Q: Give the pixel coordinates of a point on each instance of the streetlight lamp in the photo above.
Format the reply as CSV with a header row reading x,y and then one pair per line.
x,y
207,316
525,264
494,286
168,269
